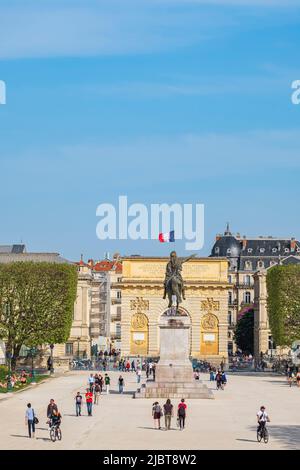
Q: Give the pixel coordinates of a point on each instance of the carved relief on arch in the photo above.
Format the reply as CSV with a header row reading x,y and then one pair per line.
x,y
139,321
210,322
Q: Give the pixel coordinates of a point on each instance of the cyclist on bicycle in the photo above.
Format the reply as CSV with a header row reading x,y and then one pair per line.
x,y
55,418
262,418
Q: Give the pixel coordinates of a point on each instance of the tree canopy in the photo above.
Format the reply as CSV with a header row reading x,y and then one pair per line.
x,y
36,303
283,287
244,332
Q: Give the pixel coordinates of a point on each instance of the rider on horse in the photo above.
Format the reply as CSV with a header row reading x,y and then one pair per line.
x,y
174,268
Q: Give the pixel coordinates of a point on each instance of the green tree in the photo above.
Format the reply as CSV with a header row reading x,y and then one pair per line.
x,y
36,304
283,287
244,332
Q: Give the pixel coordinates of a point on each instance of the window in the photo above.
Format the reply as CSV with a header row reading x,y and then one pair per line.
x,y
228,251
250,250
230,297
248,265
260,264
119,279
217,250
229,318
69,349
262,250
247,297
119,294
229,279
274,250
247,280
286,250
118,330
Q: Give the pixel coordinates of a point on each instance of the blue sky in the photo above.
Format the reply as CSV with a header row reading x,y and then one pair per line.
x,y
164,100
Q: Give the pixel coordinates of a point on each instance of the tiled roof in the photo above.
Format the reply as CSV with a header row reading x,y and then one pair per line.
x,y
107,265
12,248
35,257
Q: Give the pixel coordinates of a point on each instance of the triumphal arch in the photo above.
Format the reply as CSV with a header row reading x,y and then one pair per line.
x,y
206,306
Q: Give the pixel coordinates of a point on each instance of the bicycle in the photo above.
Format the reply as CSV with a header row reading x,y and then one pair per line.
x,y
55,433
263,434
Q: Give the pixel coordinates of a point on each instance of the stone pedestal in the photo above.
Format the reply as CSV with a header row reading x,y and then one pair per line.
x,y
174,372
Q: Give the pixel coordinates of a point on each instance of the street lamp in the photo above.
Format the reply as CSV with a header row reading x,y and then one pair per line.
x,y
51,359
78,340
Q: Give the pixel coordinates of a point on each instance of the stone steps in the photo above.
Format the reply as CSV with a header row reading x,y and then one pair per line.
x,y
187,390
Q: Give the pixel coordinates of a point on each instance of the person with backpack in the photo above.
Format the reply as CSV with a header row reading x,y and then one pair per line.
x,y
30,420
223,379
219,380
78,402
97,392
168,412
157,414
181,414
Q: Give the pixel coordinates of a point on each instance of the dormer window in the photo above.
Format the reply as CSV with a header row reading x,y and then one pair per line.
x,y
262,250
228,251
274,250
248,265
286,250
260,264
217,250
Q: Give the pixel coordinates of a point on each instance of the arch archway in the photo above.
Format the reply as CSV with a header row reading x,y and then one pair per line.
x,y
209,335
139,334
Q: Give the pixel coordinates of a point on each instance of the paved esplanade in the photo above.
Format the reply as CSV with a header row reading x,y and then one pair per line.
x,y
119,422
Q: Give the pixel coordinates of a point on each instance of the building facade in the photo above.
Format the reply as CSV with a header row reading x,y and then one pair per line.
x,y
246,257
206,281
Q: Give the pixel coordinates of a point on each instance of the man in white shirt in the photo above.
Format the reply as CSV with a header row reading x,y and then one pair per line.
x,y
262,418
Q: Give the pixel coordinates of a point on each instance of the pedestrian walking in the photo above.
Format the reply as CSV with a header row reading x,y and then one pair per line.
x,y
181,414
154,371
157,414
107,383
223,379
91,382
89,401
168,412
138,375
219,380
78,403
30,419
97,393
50,408
121,384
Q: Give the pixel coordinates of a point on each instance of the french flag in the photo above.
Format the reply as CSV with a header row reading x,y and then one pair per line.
x,y
167,237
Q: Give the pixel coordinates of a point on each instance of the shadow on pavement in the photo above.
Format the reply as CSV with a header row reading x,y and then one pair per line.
x,y
246,440
288,435
19,435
